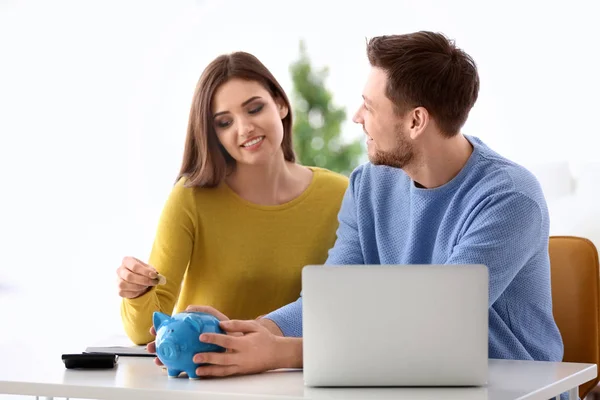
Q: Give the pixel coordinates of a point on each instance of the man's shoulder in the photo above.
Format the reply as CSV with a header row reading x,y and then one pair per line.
x,y
500,176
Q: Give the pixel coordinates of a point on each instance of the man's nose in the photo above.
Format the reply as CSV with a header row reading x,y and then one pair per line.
x,y
357,117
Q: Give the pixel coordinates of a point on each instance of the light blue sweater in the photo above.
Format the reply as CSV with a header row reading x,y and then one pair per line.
x,y
493,213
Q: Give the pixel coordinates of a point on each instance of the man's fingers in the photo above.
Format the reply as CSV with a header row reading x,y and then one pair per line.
x,y
152,331
216,358
208,310
217,370
226,341
158,362
237,325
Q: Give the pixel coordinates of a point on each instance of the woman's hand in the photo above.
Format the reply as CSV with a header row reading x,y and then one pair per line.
x,y
135,278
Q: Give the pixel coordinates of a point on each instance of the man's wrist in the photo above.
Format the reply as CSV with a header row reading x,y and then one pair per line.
x,y
288,352
271,326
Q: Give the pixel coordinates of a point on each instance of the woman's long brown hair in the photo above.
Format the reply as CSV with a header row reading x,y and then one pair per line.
x,y
205,161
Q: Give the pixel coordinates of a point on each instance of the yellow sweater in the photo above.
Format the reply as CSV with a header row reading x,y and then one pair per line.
x,y
244,259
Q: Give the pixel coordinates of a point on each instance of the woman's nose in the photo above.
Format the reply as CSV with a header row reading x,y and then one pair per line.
x,y
245,126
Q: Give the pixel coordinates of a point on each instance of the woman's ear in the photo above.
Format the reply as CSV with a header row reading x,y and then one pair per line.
x,y
282,107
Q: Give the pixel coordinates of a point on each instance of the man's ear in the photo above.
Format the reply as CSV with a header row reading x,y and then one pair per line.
x,y
418,121
282,107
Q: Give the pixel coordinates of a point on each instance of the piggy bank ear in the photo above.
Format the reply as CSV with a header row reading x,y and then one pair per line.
x,y
158,319
194,322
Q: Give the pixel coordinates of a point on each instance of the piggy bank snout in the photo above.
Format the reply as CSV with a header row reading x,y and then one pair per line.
x,y
169,350
172,346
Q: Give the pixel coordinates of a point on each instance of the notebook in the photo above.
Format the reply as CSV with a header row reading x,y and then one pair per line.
x,y
137,351
119,345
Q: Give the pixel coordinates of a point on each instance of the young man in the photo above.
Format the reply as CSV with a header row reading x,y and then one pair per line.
x,y
430,195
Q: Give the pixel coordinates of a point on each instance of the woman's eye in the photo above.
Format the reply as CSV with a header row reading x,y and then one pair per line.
x,y
223,124
256,109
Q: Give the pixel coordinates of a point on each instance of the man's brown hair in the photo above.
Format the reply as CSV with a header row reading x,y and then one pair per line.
x,y
425,69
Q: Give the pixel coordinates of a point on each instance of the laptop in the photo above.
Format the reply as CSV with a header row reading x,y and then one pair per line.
x,y
395,325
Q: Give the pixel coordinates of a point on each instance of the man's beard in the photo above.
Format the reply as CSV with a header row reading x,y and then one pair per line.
x,y
400,157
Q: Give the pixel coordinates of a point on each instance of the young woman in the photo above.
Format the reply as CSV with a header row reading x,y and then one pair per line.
x,y
243,218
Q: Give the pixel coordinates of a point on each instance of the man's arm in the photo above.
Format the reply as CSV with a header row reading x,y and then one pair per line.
x,y
346,250
289,352
270,325
274,340
504,234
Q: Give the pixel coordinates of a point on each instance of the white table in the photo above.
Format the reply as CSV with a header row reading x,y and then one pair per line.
x,y
42,373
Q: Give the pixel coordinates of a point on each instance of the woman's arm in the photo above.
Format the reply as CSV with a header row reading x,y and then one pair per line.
x,y
170,256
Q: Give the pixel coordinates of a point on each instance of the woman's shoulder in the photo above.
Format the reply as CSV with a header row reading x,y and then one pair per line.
x,y
186,193
330,180
181,189
328,175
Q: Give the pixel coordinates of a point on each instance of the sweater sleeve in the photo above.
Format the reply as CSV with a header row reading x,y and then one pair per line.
x,y
504,234
346,251
170,256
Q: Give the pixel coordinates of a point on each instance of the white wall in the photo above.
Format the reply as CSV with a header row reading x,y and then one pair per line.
x,y
94,99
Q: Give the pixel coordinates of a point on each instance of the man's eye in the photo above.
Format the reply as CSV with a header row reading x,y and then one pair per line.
x,y
256,109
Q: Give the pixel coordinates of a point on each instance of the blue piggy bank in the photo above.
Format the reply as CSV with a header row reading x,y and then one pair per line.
x,y
177,340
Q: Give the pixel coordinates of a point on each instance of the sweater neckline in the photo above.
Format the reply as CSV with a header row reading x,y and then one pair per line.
x,y
457,180
298,199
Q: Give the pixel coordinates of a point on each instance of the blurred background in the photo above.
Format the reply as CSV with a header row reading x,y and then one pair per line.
x,y
95,96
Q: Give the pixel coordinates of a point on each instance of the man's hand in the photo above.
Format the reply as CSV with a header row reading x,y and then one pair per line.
x,y
251,347
151,347
256,350
208,310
